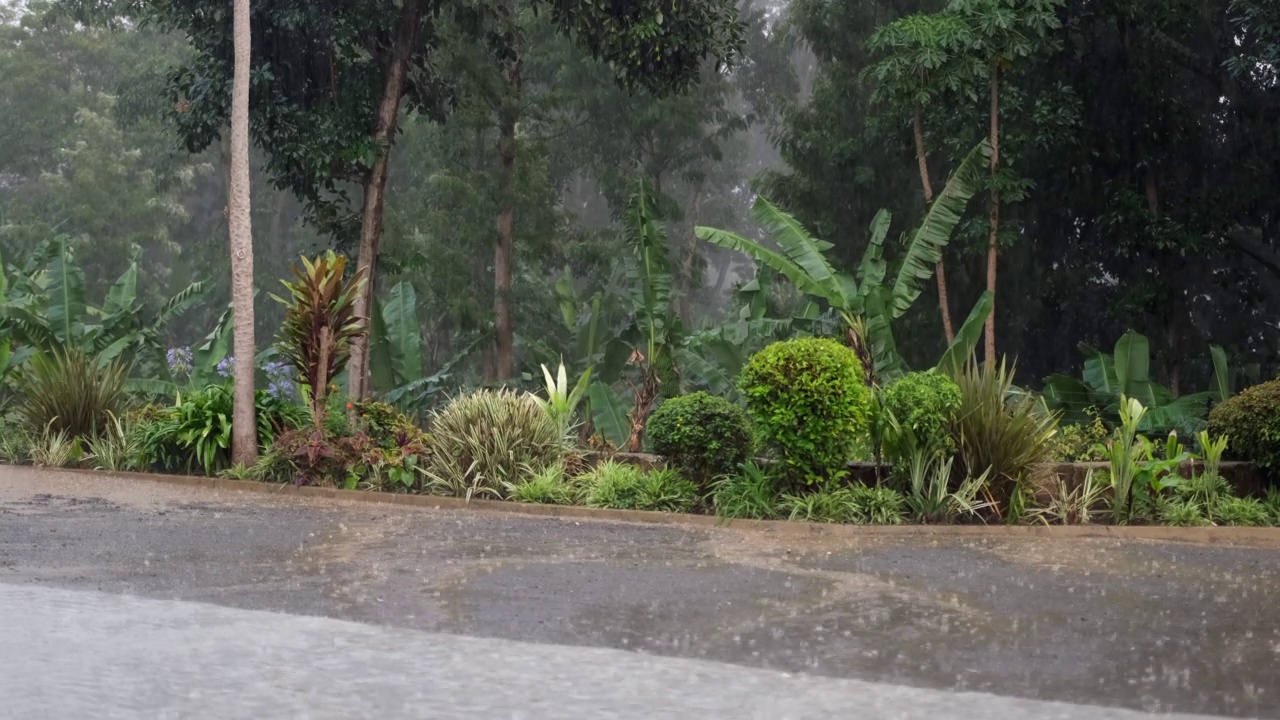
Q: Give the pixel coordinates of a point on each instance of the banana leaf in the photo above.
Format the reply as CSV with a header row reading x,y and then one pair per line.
x,y
404,334
800,247
773,259
381,367
1221,373
871,270
609,413
967,338
1070,396
1100,373
1185,414
123,294
66,294
1132,363
925,249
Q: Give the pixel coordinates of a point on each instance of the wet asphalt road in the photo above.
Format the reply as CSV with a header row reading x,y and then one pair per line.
x,y
869,627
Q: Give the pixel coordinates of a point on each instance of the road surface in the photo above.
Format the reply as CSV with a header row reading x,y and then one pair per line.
x,y
124,598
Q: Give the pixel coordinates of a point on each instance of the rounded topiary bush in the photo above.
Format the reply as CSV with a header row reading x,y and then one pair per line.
x,y
809,405
1251,423
707,436
925,403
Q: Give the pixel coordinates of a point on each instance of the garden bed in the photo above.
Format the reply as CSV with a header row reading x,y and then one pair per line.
x,y
1228,535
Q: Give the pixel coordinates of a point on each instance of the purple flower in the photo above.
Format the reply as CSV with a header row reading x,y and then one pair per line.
x,y
280,383
179,359
226,366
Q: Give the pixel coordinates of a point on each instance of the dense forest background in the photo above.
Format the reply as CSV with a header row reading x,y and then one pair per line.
x,y
1139,175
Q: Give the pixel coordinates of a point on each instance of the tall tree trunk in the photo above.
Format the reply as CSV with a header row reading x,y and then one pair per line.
x,y
375,185
503,253
244,426
944,303
993,237
688,259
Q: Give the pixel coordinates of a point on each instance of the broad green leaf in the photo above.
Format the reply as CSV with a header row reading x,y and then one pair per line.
x,y
1068,395
609,413
967,338
775,260
1100,374
124,293
382,371
1221,373
148,386
404,332
1185,414
878,333
796,242
701,363
567,299
925,249
180,303
872,268
216,346
1132,361
115,349
66,294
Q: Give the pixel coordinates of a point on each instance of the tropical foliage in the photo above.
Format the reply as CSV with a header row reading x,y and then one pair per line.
x,y
320,323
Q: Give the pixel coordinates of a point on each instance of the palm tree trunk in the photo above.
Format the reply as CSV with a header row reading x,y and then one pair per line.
x,y
375,185
503,254
244,426
993,236
944,303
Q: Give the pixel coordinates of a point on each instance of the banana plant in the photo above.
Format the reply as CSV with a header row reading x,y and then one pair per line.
x,y
1125,373
45,307
865,302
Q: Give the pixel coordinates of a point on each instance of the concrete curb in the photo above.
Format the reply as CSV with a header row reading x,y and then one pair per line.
x,y
784,528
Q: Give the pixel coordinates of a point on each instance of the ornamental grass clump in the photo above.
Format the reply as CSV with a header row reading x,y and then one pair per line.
x,y
487,441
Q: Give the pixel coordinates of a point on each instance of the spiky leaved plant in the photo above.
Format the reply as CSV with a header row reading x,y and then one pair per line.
x,y
319,323
68,390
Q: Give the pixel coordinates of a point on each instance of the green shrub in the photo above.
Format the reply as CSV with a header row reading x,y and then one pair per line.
x,y
1001,432
548,487
932,495
623,486
704,435
1182,512
56,448
855,504
1272,503
927,403
486,441
386,426
611,484
1079,442
667,490
822,505
115,448
71,391
15,443
810,405
1247,512
879,505
752,492
195,433
1251,423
